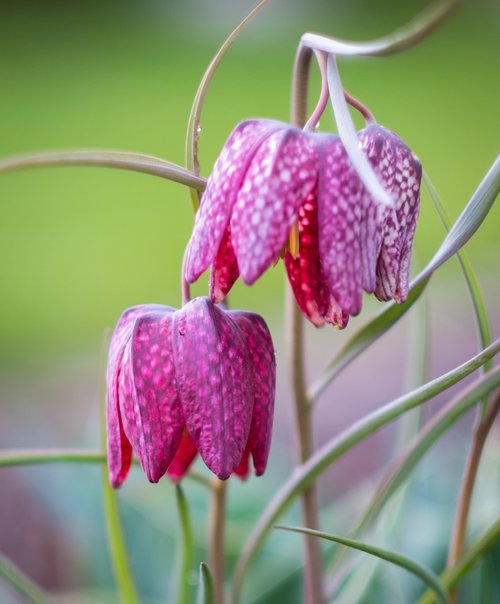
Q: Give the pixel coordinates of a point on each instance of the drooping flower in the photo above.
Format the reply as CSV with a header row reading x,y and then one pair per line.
x,y
270,177
180,382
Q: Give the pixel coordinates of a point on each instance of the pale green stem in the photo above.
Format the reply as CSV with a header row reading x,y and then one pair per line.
x,y
185,548
106,158
21,582
216,531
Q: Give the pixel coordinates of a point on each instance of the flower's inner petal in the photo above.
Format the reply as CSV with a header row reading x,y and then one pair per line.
x,y
118,445
263,365
304,271
220,193
214,382
279,179
183,459
151,409
339,218
224,271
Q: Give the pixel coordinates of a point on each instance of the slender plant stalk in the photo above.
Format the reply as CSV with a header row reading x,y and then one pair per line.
x,y
21,582
186,558
216,531
106,158
313,580
457,543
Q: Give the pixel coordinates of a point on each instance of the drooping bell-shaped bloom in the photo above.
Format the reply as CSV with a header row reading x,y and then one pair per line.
x,y
270,178
180,382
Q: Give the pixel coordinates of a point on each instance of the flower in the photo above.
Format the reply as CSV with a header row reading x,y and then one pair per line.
x,y
271,178
199,379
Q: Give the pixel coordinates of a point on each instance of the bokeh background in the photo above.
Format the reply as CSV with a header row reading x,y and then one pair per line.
x,y
78,245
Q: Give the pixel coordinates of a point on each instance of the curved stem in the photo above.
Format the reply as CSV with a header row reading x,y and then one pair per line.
x,y
21,582
313,121
106,158
216,538
459,531
313,580
359,106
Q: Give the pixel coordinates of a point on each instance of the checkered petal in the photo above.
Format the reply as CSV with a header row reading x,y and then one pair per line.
x,y
339,218
214,382
224,271
263,369
149,404
280,177
118,445
220,193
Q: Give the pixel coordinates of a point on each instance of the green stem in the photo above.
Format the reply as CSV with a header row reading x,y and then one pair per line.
x,y
216,532
451,577
338,446
185,548
106,158
21,582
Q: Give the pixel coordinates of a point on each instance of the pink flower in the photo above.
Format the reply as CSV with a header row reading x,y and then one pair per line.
x,y
270,177
199,379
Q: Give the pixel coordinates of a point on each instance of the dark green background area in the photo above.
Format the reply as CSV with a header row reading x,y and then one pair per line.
x,y
77,245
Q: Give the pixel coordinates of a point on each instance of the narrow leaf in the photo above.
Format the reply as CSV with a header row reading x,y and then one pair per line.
x,y
399,40
193,128
206,589
106,158
411,565
22,583
185,548
338,446
349,136
451,576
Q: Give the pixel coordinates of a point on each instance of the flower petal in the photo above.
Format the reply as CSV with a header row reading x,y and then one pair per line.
x,y
183,458
224,271
278,181
151,410
339,217
118,446
214,382
263,367
400,173
220,193
305,275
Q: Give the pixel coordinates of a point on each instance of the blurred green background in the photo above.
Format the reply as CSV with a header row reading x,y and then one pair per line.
x,y
78,245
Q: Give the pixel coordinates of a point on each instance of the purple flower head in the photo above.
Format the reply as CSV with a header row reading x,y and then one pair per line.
x,y
180,382
271,178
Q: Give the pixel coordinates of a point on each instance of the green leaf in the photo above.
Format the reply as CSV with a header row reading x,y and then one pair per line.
x,y
338,446
24,585
468,222
185,548
206,589
106,158
411,565
399,40
194,128
451,577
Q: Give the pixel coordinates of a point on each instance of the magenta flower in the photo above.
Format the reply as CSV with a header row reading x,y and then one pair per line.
x,y
270,177
199,379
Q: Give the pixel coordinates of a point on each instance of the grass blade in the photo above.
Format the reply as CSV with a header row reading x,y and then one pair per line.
x,y
206,590
185,548
335,448
21,582
106,158
411,565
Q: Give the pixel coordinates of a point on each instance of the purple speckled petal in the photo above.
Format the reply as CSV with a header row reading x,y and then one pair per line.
x,y
263,366
150,407
118,445
400,173
304,273
214,380
224,271
281,176
219,196
339,218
